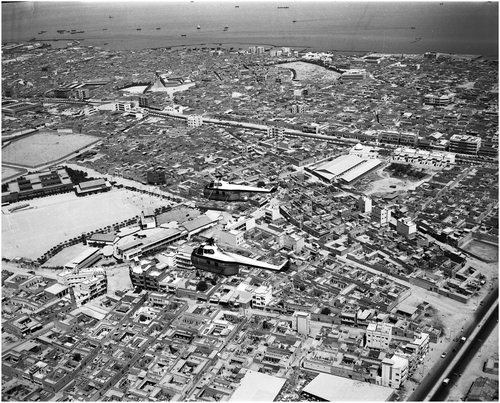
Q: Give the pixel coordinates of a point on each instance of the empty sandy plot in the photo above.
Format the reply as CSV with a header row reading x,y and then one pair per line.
x,y
307,71
7,172
30,233
41,148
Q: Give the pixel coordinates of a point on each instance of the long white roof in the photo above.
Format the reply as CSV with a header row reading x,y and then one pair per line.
x,y
257,387
338,389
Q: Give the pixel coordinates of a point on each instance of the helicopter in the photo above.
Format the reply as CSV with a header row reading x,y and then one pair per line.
x,y
210,257
224,191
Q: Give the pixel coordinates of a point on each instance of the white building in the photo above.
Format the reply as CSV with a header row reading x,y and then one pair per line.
x,y
231,237
261,295
87,283
439,100
275,131
394,371
365,204
302,323
122,106
405,226
381,215
378,335
194,120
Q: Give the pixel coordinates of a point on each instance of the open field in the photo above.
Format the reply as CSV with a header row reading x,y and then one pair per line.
x,y
51,220
306,71
8,172
383,184
42,148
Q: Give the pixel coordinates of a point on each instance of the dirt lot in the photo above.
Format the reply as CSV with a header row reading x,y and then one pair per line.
x,y
41,148
382,183
453,315
306,71
8,172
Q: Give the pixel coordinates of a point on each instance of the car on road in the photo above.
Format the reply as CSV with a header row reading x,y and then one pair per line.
x,y
446,381
444,354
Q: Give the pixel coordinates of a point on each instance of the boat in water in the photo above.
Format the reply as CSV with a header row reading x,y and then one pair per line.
x,y
198,27
226,27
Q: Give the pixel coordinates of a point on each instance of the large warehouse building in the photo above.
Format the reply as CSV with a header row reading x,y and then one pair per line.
x,y
346,168
331,388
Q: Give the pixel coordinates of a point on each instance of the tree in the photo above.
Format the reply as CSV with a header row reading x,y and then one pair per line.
x,y
326,311
201,286
142,318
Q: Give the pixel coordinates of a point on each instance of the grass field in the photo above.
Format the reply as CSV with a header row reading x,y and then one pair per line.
x,y
42,148
51,220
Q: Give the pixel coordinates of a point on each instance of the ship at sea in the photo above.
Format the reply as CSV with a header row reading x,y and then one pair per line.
x,y
198,27
283,7
226,27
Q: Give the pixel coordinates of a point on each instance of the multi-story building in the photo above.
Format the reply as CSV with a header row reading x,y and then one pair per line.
x,y
465,144
394,371
55,180
408,139
156,175
378,335
389,137
143,102
194,120
276,131
302,322
147,241
82,93
122,106
231,237
14,109
354,75
439,100
62,92
365,204
147,276
298,108
405,226
85,259
381,215
87,284
90,110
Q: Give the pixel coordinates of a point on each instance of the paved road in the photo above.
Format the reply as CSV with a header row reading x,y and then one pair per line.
x,y
458,354
468,354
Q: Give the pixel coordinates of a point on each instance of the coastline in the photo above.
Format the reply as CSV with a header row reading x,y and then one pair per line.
x,y
62,43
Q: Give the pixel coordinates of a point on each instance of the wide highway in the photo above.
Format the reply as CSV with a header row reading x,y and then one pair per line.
x,y
459,354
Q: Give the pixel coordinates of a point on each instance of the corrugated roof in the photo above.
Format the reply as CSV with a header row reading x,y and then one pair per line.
x,y
338,389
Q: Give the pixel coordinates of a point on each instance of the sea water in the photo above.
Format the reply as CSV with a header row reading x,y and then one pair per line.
x,y
390,27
